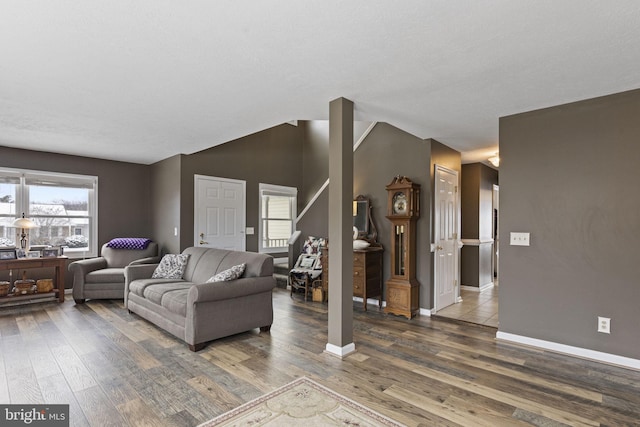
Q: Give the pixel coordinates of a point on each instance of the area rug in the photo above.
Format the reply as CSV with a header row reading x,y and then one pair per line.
x,y
302,402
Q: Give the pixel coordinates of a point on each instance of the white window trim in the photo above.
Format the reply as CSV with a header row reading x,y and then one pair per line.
x,y
284,191
22,201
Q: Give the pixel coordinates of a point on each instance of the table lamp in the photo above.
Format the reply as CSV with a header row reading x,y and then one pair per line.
x,y
24,224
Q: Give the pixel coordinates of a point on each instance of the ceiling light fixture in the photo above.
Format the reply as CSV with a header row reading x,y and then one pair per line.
x,y
495,160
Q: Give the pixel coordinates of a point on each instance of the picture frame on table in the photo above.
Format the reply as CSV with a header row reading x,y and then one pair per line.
x,y
33,254
7,253
50,253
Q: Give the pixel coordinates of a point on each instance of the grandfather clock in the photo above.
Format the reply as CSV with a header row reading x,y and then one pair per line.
x,y
403,206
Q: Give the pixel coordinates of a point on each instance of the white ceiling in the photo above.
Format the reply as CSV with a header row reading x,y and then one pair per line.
x,y
141,81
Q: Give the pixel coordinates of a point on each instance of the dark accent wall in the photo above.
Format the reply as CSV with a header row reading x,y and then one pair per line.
x,y
568,176
123,189
272,156
165,191
315,155
476,188
315,159
386,152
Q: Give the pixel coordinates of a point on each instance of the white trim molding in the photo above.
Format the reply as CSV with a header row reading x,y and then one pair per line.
x,y
584,353
364,136
371,301
425,312
482,288
476,242
326,183
340,352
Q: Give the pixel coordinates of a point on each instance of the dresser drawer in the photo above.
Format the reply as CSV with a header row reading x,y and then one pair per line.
x,y
358,286
358,260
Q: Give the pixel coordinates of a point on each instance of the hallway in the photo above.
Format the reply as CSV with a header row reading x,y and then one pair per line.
x,y
476,307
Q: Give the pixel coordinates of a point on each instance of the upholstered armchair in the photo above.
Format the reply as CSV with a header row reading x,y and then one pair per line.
x,y
103,277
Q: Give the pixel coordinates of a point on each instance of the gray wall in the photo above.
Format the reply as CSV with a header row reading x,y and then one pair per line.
x,y
165,191
476,188
568,177
386,152
272,156
123,189
315,155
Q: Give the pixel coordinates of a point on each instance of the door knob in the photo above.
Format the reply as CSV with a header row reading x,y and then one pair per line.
x,y
439,248
202,242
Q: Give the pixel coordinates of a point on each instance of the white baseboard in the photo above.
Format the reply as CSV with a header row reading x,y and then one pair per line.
x,y
341,352
584,353
422,312
370,301
482,288
425,312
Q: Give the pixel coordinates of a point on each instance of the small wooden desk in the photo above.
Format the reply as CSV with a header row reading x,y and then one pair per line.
x,y
59,263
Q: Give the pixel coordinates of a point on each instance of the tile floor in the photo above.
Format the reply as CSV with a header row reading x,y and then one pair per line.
x,y
476,307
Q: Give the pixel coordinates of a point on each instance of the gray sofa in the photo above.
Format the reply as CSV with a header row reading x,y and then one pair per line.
x,y
198,312
103,277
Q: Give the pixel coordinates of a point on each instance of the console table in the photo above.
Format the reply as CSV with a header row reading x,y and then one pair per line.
x,y
59,263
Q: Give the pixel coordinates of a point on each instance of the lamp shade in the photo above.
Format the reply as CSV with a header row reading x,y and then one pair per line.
x,y
24,223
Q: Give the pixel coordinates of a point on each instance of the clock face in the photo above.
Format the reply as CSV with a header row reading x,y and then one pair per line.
x,y
400,204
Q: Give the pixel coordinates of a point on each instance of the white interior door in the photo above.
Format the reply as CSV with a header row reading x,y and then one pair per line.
x,y
219,213
446,231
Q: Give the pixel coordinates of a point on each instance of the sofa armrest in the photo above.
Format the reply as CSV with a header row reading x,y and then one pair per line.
x,y
138,271
135,272
80,269
204,292
147,260
85,266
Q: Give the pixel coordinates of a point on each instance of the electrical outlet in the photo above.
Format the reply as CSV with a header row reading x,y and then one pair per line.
x,y
604,325
519,239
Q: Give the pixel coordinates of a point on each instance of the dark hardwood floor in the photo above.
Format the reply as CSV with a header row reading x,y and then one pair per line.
x,y
115,369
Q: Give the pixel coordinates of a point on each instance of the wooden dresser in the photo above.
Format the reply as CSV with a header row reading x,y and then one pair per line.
x,y
367,273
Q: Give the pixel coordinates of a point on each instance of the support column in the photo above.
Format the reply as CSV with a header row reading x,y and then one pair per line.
x,y
340,228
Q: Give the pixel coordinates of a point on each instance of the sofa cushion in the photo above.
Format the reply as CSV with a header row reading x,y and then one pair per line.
x,y
107,275
176,301
138,286
232,273
171,267
156,291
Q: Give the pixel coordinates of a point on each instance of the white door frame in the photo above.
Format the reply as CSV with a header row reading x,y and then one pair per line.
x,y
457,242
242,221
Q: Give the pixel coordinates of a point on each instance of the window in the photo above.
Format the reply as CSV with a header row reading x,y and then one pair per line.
x,y
63,206
277,217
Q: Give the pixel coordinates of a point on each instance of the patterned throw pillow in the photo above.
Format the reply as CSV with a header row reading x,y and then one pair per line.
x,y
232,273
171,266
313,244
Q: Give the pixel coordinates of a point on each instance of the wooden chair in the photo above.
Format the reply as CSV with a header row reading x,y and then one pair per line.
x,y
304,273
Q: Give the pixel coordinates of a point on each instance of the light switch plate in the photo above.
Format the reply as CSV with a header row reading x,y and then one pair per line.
x,y
249,231
519,239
